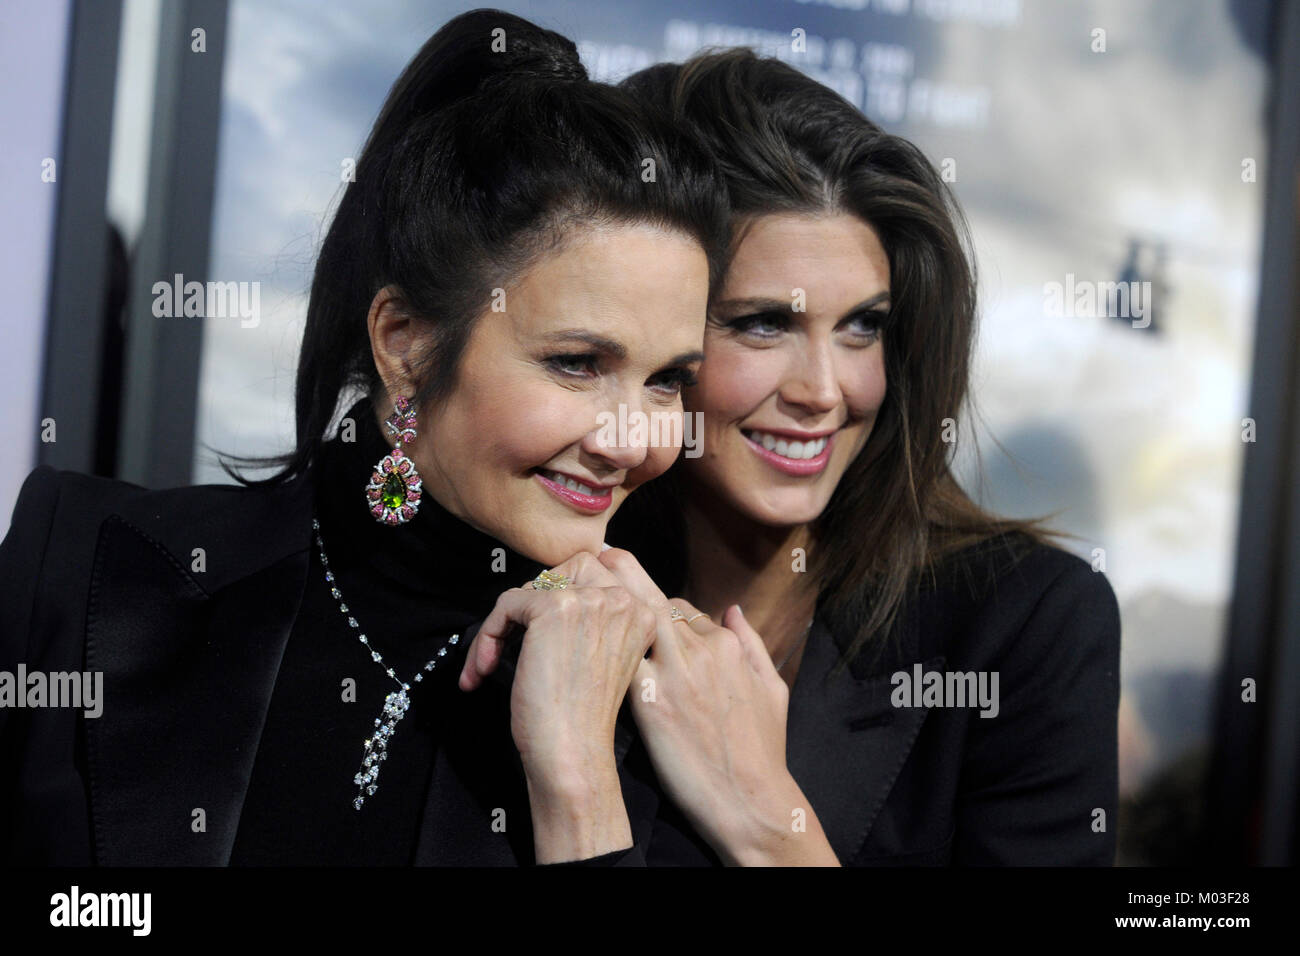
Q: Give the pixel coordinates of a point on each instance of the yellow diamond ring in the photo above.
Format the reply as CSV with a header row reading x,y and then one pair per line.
x,y
550,580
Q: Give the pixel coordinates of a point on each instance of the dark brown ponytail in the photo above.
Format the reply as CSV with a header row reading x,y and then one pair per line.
x,y
491,145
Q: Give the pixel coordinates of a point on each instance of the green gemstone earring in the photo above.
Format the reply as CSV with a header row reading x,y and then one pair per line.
x,y
393,493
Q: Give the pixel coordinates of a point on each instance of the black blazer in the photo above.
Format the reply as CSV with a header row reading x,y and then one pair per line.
x,y
94,576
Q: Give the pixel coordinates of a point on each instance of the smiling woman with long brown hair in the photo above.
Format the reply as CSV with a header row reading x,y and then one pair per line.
x,y
912,680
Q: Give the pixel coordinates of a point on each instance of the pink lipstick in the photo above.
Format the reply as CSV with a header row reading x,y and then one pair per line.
x,y
588,504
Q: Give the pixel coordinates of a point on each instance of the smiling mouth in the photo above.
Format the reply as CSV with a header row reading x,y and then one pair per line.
x,y
789,455
583,497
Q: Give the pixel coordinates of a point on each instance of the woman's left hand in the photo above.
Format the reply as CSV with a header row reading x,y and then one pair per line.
x,y
712,711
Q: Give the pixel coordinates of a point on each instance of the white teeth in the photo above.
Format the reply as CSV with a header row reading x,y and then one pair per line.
x,y
797,450
574,485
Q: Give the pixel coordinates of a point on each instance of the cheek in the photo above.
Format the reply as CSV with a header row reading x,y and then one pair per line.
x,y
733,381
657,461
867,392
505,424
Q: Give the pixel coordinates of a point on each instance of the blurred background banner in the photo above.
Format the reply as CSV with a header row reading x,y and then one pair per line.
x,y
1128,168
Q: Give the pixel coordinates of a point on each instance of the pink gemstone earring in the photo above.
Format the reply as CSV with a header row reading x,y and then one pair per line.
x,y
393,493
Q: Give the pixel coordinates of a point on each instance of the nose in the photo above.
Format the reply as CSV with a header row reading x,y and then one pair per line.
x,y
812,383
620,441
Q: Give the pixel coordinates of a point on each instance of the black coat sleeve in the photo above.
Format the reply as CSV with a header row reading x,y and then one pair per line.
x,y
632,856
22,555
1040,780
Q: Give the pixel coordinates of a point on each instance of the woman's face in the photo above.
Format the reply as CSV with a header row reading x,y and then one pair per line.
x,y
615,318
794,371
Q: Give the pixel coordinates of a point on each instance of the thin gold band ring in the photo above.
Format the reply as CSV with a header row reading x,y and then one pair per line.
x,y
676,615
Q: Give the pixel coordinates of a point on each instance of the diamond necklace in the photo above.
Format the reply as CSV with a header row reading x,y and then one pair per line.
x,y
375,749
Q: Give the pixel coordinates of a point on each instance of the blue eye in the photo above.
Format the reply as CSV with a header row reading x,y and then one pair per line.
x,y
867,324
761,325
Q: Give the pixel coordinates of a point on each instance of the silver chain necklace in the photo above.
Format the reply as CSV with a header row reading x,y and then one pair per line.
x,y
375,749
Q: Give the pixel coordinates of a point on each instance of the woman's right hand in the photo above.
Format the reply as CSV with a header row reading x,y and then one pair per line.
x,y
581,648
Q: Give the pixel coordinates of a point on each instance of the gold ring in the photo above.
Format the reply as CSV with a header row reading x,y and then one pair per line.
x,y
675,615
550,580
695,615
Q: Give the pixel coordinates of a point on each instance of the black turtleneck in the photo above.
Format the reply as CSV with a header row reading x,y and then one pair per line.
x,y
409,588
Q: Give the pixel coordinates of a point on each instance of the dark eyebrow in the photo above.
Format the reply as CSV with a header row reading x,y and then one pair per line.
x,y
879,298
755,306
686,358
614,349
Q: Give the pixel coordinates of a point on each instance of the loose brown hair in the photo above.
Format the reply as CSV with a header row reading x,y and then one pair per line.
x,y
785,143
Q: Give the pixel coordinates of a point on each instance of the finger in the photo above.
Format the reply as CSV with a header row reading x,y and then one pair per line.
x,y
699,622
666,646
481,659
751,641
669,647
585,570
627,569
515,606
673,642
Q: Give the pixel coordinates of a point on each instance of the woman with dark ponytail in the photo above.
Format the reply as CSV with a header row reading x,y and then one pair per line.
x,y
522,253
912,680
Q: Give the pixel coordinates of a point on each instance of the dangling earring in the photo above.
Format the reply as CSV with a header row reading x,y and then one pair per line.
x,y
393,493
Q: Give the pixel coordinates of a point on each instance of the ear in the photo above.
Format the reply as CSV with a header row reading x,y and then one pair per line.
x,y
390,332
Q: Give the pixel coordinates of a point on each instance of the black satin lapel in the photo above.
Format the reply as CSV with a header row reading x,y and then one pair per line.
x,y
845,742
476,811
187,682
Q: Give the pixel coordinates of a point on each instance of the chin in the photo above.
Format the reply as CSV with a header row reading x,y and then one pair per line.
x,y
778,513
560,543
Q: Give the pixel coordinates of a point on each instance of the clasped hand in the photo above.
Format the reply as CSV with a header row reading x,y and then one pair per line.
x,y
707,699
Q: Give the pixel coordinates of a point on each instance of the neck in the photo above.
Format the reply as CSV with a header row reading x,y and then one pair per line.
x,y
734,560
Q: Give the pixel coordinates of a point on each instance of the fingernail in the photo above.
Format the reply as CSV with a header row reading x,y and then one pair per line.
x,y
740,611
605,547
